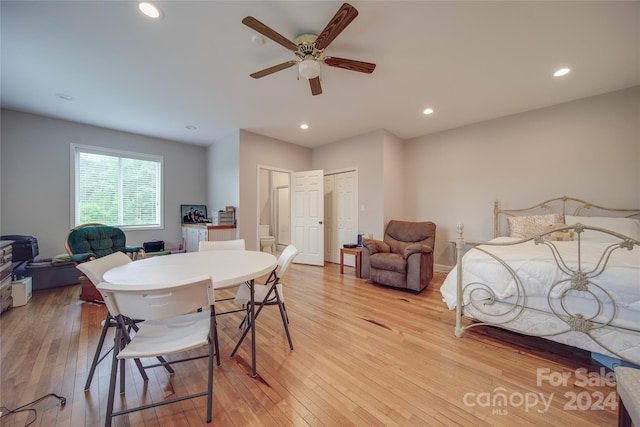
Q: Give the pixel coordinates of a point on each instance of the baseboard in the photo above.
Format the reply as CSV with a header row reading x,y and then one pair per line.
x,y
442,268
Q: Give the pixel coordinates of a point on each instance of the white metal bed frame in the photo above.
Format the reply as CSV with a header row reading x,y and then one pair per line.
x,y
484,302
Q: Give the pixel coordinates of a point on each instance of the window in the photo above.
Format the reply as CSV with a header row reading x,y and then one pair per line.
x,y
116,188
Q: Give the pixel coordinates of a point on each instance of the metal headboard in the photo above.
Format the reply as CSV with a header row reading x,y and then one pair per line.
x,y
564,205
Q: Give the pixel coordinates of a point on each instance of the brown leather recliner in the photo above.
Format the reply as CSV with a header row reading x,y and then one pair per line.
x,y
404,259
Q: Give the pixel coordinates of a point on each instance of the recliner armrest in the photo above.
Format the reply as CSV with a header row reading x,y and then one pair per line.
x,y
135,252
133,249
416,248
375,246
82,257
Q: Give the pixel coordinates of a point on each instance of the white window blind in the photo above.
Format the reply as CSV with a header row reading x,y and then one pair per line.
x,y
117,188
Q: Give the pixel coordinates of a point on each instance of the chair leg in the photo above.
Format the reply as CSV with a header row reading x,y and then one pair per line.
x,y
215,335
249,325
213,345
245,330
111,322
124,328
112,379
108,322
285,320
245,319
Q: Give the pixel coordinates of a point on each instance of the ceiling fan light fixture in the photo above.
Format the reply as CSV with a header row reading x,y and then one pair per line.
x,y
309,69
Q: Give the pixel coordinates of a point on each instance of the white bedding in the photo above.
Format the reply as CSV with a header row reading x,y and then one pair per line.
x,y
538,271
603,316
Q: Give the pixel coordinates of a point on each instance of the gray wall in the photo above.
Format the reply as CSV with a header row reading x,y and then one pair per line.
x,y
223,180
260,150
35,180
392,172
588,149
366,153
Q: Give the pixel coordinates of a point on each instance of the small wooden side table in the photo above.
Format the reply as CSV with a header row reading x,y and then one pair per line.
x,y
357,252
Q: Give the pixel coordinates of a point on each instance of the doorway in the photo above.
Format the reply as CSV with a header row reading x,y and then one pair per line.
x,y
282,217
274,206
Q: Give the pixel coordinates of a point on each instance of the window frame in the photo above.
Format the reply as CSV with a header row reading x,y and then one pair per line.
x,y
76,149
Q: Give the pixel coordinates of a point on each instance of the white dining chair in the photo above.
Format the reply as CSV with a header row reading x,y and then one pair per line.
x,y
223,245
94,270
175,321
269,293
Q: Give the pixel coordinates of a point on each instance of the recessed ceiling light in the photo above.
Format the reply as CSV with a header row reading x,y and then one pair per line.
x,y
150,10
562,72
304,126
427,111
65,96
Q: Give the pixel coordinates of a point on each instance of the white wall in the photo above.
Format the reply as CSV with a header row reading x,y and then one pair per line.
x,y
35,180
260,150
588,149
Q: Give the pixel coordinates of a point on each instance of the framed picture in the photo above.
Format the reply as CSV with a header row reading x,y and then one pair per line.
x,y
193,214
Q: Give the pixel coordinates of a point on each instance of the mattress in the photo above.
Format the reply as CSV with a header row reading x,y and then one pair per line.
x,y
538,274
525,287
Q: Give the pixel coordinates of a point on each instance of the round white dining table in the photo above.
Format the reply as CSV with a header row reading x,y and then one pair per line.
x,y
227,269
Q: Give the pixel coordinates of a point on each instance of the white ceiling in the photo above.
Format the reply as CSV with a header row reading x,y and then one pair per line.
x,y
469,61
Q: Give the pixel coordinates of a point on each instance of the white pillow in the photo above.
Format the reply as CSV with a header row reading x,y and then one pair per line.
x,y
628,226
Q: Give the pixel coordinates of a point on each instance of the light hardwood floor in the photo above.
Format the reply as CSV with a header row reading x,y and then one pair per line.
x,y
364,355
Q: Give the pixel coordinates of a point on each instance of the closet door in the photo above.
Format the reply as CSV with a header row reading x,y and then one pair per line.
x,y
331,247
342,214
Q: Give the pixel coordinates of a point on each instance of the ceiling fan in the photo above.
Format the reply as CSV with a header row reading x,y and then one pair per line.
x,y
309,49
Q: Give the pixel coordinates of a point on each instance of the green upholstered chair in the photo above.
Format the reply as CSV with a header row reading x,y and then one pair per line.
x,y
90,241
87,242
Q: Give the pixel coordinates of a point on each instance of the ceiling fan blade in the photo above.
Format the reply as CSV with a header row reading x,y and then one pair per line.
x,y
316,89
271,70
258,26
350,64
339,22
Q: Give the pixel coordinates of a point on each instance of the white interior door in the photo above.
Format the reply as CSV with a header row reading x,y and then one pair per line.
x,y
341,214
346,194
331,251
307,216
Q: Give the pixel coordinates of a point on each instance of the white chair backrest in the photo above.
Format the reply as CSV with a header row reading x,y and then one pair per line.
x,y
159,301
222,245
286,257
94,270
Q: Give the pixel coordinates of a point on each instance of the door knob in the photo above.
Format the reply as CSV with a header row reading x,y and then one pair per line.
x,y
319,222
